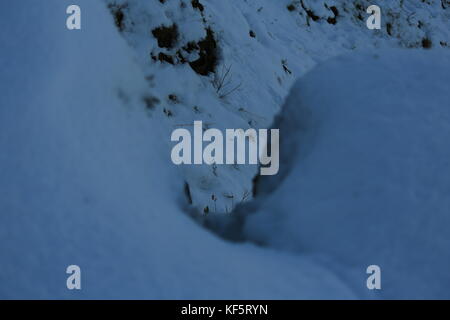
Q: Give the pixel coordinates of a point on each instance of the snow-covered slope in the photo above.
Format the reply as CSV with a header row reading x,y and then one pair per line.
x,y
84,180
366,144
86,176
183,46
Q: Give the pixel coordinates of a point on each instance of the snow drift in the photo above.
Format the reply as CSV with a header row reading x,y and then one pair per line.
x,y
366,155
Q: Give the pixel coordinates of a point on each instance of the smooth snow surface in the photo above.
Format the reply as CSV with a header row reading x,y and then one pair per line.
x,y
366,140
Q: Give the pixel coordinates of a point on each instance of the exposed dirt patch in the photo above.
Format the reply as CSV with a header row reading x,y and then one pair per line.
x,y
333,20
426,43
208,55
206,48
119,15
309,12
291,7
197,5
150,102
166,36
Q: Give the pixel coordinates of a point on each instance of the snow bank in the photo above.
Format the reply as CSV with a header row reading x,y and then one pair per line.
x,y
365,141
86,180
266,46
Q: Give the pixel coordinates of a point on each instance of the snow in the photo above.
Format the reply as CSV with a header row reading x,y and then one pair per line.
x,y
282,38
369,182
85,180
86,176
